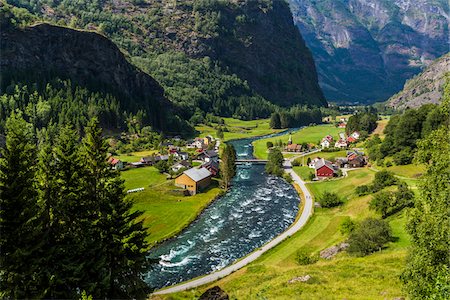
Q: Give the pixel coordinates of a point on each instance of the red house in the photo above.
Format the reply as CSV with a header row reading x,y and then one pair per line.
x,y
324,168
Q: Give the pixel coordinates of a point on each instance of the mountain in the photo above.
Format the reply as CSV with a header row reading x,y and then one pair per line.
x,y
231,57
365,50
41,53
427,87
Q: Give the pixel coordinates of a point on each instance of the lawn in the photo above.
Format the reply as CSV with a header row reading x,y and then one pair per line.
x,y
344,277
238,129
135,156
303,172
165,213
311,134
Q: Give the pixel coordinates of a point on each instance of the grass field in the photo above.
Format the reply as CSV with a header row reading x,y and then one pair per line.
x,y
135,156
303,172
312,134
239,129
408,171
344,277
164,212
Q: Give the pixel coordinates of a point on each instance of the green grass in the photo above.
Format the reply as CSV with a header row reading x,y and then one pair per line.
x,y
238,129
164,213
135,156
312,134
303,172
344,277
409,171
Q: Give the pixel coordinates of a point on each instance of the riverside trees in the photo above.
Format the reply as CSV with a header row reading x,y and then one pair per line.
x,y
228,164
66,227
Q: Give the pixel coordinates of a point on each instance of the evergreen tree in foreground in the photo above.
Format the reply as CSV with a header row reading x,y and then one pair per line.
x,y
20,224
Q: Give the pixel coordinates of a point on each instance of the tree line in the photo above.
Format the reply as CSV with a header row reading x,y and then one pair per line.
x,y
295,116
66,226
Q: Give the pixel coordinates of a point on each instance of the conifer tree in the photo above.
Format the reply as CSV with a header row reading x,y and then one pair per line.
x,y
228,164
20,222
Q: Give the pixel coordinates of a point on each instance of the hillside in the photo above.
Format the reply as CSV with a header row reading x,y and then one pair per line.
x,y
366,50
427,87
214,55
41,53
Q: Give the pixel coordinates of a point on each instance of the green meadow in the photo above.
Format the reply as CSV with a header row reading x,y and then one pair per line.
x,y
165,213
344,277
311,134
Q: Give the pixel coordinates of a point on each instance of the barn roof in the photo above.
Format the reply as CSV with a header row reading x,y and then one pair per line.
x,y
197,174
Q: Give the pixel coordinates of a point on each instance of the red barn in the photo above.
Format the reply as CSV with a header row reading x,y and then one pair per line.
x,y
324,168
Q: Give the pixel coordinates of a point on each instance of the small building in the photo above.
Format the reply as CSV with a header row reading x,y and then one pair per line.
x,y
342,125
356,162
194,180
313,162
209,155
207,140
180,165
355,135
326,142
197,143
181,155
148,160
212,166
341,144
116,164
342,136
341,162
293,148
324,169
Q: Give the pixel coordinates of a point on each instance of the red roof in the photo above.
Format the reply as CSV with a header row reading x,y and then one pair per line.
x,y
351,139
113,161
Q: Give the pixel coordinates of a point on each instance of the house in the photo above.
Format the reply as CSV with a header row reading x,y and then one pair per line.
x,y
208,155
293,148
180,165
194,180
324,169
196,143
212,166
313,162
342,125
207,140
356,162
355,135
341,144
341,162
181,155
326,142
116,164
342,136
148,160
351,140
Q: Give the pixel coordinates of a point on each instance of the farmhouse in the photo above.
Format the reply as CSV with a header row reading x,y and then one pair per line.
x,y
312,163
194,180
180,165
212,166
293,148
326,142
341,144
209,155
116,164
324,169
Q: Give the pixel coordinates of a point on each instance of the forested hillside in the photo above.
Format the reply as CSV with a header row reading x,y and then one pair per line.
x,y
226,57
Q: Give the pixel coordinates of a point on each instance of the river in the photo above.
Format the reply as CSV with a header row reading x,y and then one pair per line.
x,y
257,208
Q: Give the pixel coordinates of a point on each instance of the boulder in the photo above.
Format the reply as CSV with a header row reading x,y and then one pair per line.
x,y
214,293
300,279
332,251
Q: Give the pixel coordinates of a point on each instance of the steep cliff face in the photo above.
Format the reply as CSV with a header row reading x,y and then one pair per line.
x,y
427,87
256,40
43,52
366,49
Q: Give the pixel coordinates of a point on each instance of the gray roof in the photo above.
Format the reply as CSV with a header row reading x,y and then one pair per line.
x,y
197,174
322,162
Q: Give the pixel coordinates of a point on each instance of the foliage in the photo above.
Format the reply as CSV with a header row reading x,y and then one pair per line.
x,y
75,232
388,203
269,144
369,236
365,121
382,179
427,274
295,116
303,258
347,226
274,165
228,164
275,121
329,199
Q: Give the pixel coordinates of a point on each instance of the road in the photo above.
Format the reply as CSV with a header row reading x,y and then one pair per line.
x,y
301,221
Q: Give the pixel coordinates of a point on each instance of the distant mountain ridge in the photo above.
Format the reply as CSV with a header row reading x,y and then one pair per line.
x,y
426,87
366,49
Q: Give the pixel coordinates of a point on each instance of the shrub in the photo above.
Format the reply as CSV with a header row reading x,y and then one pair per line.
x,y
329,199
371,235
269,144
347,226
287,177
296,163
388,164
388,203
383,179
403,157
362,190
303,258
312,176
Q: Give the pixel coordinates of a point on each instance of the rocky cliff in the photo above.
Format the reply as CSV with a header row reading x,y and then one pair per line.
x,y
366,49
42,52
256,41
427,87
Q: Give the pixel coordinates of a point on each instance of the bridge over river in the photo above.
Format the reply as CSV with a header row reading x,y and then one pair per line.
x,y
252,161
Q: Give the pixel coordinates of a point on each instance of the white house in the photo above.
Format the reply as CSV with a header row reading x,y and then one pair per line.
x,y
313,162
325,143
355,135
341,144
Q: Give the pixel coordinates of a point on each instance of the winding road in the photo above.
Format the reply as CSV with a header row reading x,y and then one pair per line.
x,y
296,226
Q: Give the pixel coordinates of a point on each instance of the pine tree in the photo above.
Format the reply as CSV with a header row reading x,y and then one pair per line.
x,y
124,250
228,165
275,121
20,222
